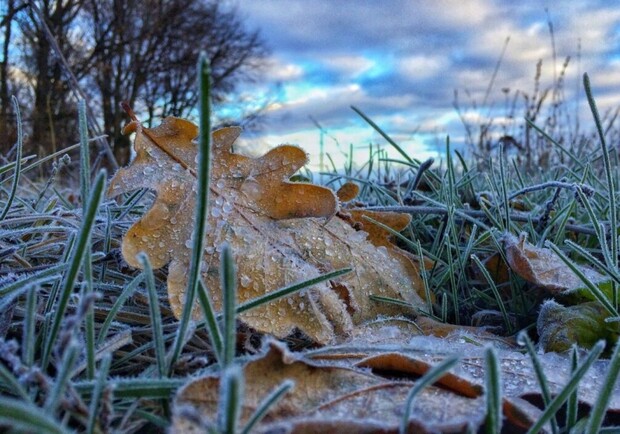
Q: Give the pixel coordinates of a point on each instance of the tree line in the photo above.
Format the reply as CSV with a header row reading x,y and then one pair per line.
x,y
55,52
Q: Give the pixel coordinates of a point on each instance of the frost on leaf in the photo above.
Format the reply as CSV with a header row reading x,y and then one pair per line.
x,y
543,267
559,327
365,390
280,232
329,398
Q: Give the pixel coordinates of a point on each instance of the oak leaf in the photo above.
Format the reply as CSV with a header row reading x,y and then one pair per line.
x,y
363,388
281,233
329,398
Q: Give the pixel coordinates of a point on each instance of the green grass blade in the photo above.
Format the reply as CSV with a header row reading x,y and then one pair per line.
x,y
211,322
136,352
594,261
599,409
11,166
93,408
595,290
120,301
9,300
585,202
229,297
74,265
62,378
28,417
40,161
231,397
18,161
158,334
283,292
29,333
425,282
572,404
504,186
572,384
90,323
202,199
87,262
12,384
493,383
495,291
84,153
611,189
434,374
139,388
386,137
575,159
266,404
524,339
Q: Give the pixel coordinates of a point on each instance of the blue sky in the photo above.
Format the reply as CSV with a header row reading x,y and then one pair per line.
x,y
402,61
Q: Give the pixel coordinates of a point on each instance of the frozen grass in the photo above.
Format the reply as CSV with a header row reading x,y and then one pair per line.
x,y
95,345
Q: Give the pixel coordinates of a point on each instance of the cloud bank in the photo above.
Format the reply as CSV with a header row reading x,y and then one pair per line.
x,y
402,61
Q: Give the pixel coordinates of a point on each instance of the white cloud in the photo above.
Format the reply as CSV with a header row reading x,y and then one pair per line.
x,y
280,70
400,61
419,67
347,65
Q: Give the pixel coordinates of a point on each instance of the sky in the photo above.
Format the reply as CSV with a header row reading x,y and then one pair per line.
x,y
401,62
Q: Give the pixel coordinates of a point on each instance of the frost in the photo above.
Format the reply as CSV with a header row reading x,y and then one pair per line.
x,y
280,233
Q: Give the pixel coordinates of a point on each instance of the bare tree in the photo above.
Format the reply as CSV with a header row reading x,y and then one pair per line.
x,y
146,52
53,116
142,52
6,133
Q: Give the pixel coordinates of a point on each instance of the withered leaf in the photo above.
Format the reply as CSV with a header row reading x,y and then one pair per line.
x,y
337,398
559,327
543,267
281,233
364,388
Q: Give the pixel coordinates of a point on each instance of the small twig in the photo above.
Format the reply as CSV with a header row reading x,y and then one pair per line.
x,y
549,207
418,177
552,184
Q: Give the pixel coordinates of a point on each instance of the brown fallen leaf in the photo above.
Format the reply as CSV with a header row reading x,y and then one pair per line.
x,y
333,398
522,399
543,267
281,233
363,388
348,192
